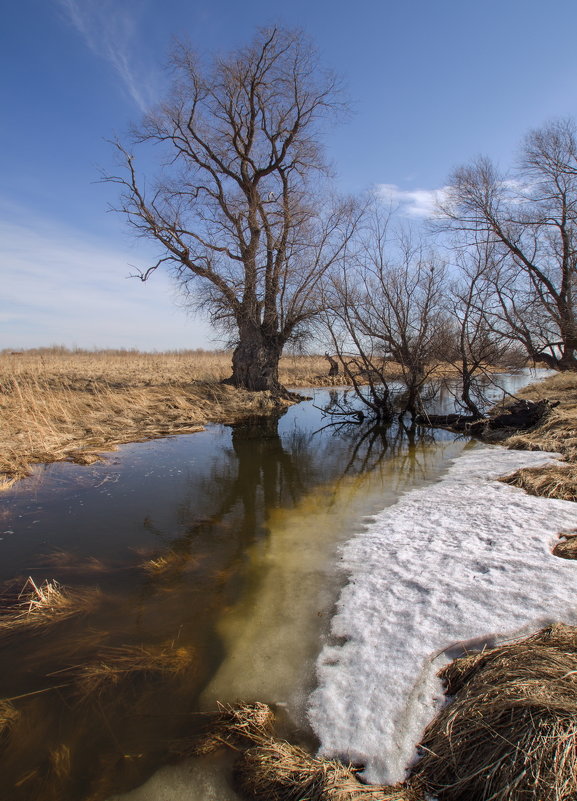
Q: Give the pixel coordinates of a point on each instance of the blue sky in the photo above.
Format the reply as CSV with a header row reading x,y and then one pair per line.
x,y
432,84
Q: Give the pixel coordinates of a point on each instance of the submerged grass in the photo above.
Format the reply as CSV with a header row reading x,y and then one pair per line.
x,y
117,665
167,564
8,717
557,432
510,732
38,607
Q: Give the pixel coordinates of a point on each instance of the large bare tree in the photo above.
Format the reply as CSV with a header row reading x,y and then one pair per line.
x,y
528,221
239,207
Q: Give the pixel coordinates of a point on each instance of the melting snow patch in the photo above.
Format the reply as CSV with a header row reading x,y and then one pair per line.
x,y
460,563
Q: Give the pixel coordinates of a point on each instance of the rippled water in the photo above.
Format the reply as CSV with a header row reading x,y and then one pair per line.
x,y
221,545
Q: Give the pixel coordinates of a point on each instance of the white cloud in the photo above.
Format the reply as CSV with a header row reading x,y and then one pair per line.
x,y
413,202
110,31
60,286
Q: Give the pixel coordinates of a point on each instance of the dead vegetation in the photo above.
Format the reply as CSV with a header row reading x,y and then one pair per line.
x,y
68,562
556,433
566,548
63,405
8,718
233,726
279,771
270,769
129,663
38,607
58,405
169,563
510,732
548,481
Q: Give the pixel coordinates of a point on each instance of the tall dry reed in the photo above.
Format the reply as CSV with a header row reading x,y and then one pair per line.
x,y
57,404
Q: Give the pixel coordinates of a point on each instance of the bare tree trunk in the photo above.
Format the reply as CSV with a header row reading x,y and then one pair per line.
x,y
255,361
467,387
334,365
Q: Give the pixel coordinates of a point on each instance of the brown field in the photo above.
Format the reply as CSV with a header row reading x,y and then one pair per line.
x,y
557,433
57,404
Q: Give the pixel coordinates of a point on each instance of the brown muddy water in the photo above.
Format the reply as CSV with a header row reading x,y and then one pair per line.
x,y
219,549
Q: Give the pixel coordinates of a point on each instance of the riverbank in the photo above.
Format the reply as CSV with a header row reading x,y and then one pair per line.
x,y
61,405
557,432
458,565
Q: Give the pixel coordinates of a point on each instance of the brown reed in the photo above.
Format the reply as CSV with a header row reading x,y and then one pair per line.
x,y
510,732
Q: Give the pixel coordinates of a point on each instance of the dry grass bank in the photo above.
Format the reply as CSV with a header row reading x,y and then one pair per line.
x,y
558,433
57,404
509,731
271,769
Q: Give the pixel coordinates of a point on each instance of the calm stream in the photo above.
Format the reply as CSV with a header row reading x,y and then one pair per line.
x,y
222,545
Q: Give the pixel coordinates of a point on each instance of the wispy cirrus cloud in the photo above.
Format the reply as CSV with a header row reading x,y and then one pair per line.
x,y
420,203
64,286
110,30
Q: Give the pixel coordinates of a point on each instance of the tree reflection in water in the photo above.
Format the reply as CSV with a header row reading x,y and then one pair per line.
x,y
173,594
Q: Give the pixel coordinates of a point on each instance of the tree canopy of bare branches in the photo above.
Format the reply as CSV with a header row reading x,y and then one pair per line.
x,y
526,223
387,305
237,209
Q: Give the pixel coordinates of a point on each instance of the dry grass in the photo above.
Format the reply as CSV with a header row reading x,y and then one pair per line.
x,y
549,481
71,405
60,762
67,562
556,433
117,665
57,404
566,548
37,607
269,769
169,563
232,726
510,733
279,771
8,718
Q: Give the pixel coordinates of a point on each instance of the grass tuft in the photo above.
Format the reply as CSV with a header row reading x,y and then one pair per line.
x,y
547,481
566,548
279,771
510,733
269,769
233,726
38,607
